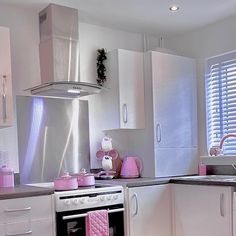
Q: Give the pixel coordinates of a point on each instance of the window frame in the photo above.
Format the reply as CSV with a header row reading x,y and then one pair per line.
x,y
222,63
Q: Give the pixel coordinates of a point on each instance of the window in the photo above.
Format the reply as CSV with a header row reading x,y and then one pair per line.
x,y
221,100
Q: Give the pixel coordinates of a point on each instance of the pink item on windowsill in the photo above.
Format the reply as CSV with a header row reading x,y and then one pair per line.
x,y
97,223
202,169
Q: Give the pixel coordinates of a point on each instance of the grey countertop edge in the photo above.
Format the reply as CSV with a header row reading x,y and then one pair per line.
x,y
202,182
20,191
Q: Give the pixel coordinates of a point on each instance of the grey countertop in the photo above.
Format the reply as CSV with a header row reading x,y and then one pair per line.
x,y
29,190
138,182
220,180
24,191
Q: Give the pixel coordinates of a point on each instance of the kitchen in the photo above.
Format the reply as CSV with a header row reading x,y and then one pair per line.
x,y
23,23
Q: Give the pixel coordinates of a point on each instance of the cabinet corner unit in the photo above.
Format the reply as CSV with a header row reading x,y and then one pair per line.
x,y
123,100
202,210
6,99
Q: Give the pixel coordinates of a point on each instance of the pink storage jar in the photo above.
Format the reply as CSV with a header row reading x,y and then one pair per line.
x,y
6,177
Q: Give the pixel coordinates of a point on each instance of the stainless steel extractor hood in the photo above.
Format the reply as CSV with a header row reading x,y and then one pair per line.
x,y
59,55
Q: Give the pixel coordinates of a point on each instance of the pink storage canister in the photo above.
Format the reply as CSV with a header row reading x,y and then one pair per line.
x,y
6,177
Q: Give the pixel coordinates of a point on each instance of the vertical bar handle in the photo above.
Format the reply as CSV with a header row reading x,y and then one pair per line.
x,y
4,99
158,132
135,197
222,210
20,234
125,113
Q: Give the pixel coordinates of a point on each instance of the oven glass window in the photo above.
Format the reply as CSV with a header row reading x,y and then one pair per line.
x,y
77,226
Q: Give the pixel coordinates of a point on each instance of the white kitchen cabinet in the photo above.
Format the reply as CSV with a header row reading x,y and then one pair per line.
x,y
6,99
202,210
149,211
27,216
123,101
169,143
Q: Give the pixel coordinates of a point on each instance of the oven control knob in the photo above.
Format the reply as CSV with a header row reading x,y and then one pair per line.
x,y
115,197
108,197
76,201
67,202
82,200
102,198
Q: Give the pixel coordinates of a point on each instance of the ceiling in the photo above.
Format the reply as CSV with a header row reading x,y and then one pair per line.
x,y
145,16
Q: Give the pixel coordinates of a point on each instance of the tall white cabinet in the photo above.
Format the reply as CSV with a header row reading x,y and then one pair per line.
x,y
169,141
202,210
149,211
123,100
6,103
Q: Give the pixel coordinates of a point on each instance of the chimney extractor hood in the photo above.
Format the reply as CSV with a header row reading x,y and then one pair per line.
x,y
59,55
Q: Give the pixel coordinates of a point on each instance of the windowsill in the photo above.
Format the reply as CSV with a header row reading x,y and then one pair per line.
x,y
218,160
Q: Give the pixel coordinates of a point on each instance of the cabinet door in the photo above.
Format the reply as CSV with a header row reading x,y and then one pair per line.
x,y
202,210
33,228
6,103
25,209
174,99
149,211
131,89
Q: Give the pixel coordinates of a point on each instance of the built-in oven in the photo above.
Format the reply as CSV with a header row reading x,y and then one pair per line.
x,y
72,208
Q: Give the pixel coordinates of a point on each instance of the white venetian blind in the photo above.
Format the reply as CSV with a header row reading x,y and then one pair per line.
x,y
221,100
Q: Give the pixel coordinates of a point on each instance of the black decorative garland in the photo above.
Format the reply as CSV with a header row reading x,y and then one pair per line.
x,y
101,69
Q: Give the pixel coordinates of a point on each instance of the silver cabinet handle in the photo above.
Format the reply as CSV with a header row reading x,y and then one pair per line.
x,y
158,132
17,210
4,97
20,234
125,113
222,212
135,197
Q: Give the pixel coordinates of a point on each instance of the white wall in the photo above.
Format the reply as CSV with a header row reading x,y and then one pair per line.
x,y
206,42
91,38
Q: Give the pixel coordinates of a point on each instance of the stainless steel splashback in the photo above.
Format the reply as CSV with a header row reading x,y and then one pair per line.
x,y
53,137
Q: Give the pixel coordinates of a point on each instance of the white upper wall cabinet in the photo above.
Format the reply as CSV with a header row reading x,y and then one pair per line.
x,y
6,103
174,98
123,100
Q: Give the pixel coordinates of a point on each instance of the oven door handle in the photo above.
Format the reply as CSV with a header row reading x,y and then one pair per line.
x,y
85,214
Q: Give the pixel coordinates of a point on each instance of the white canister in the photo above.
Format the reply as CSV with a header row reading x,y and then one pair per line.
x,y
6,177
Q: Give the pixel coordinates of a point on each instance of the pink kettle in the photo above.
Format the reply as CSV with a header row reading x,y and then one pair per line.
x,y
131,168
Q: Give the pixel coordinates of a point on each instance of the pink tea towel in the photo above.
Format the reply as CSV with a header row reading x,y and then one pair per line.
x,y
97,223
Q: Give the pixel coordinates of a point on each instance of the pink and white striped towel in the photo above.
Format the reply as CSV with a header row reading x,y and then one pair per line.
x,y
97,223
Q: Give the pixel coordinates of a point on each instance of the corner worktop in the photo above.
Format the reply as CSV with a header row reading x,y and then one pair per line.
x,y
218,180
20,191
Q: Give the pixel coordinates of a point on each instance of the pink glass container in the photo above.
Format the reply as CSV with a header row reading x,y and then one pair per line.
x,y
6,177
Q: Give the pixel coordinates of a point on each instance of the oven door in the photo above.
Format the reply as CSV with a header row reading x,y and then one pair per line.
x,y
72,223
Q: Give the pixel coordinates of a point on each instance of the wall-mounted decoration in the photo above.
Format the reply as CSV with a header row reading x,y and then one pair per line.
x,y
101,69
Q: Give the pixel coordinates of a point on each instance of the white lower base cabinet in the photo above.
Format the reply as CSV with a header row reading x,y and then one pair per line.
x,y
149,211
33,216
202,210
